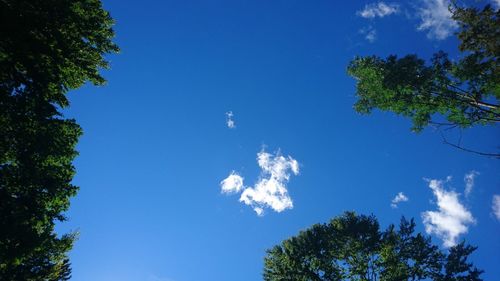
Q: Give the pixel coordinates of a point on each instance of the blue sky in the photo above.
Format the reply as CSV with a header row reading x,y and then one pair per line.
x,y
156,145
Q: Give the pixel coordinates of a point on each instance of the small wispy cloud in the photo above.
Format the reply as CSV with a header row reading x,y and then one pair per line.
x,y
270,191
232,184
369,32
451,219
229,120
496,206
436,19
496,3
469,182
400,197
379,9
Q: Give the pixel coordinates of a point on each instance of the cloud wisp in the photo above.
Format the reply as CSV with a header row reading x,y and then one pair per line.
x,y
400,197
451,219
469,182
379,9
232,184
229,120
436,19
496,206
270,191
369,32
374,10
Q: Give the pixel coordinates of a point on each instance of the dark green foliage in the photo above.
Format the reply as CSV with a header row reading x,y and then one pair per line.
x,y
352,247
47,47
465,92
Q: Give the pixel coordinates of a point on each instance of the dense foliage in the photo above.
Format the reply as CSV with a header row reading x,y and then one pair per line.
x,y
47,47
352,247
464,92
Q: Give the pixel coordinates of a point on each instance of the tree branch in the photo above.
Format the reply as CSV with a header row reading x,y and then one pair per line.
x,y
493,155
468,96
472,102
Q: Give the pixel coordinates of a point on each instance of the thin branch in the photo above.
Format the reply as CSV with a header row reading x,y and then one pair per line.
x,y
468,96
442,123
448,126
494,155
489,119
471,102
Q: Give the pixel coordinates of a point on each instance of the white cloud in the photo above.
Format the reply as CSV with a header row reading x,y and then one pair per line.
x,y
436,19
496,206
229,120
469,182
259,211
496,2
370,33
379,9
233,183
371,36
400,197
270,191
451,219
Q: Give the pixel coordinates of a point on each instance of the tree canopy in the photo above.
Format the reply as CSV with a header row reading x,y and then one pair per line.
x,y
47,47
457,93
352,247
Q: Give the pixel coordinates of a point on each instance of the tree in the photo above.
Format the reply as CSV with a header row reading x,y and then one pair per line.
x,y
47,48
465,92
352,247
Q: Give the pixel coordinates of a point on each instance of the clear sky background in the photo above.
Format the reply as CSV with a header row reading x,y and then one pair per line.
x,y
156,143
